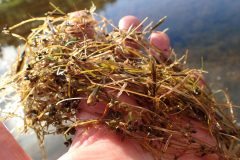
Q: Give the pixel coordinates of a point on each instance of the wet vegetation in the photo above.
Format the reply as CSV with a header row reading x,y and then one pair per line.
x,y
69,59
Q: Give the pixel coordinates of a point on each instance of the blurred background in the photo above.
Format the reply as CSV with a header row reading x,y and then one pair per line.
x,y
210,30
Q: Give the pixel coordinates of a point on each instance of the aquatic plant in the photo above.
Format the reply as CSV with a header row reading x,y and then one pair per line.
x,y
69,59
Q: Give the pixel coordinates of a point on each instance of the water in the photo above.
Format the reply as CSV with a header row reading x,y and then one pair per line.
x,y
209,29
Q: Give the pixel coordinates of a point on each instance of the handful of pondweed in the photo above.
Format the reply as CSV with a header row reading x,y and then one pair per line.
x,y
71,59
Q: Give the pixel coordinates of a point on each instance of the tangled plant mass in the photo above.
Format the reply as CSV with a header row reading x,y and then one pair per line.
x,y
70,59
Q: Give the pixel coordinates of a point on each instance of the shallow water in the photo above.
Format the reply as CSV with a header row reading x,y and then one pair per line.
x,y
209,29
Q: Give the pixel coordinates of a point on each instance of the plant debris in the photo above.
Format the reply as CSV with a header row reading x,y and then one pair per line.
x,y
68,59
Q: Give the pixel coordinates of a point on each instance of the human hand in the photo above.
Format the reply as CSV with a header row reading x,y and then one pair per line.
x,y
99,142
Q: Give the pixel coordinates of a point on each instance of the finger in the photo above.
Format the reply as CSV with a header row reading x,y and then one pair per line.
x,y
80,24
129,22
199,78
200,131
9,148
162,42
182,148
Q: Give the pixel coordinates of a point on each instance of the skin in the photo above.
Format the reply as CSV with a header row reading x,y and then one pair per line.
x,y
10,149
97,143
